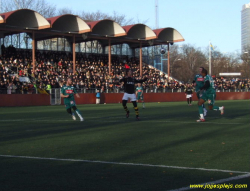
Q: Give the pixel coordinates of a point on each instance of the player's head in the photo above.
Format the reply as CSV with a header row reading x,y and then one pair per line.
x,y
204,72
69,81
139,84
200,69
129,73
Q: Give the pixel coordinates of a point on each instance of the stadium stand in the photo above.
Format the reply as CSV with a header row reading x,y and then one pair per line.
x,y
29,71
52,67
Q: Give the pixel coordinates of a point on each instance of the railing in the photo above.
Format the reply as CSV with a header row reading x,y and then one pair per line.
x,y
110,90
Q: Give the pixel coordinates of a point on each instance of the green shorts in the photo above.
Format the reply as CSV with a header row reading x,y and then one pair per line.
x,y
209,97
198,94
139,97
70,104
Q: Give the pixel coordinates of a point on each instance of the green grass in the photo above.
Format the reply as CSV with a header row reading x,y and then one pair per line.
x,y
167,134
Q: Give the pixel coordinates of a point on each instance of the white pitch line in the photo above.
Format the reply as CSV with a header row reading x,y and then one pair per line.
x,y
122,163
214,182
114,121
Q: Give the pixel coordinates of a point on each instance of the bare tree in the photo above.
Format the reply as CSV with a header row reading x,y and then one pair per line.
x,y
98,15
66,10
193,58
41,6
245,66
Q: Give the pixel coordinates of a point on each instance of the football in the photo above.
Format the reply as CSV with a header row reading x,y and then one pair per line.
x,y
163,51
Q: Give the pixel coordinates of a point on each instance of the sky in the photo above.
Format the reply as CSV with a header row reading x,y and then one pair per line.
x,y
199,21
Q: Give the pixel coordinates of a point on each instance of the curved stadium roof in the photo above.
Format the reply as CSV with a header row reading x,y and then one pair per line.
x,y
105,31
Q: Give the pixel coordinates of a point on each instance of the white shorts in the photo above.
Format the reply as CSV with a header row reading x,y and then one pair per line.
x,y
188,96
127,96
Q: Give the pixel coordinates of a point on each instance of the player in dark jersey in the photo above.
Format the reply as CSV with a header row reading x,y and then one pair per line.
x,y
129,89
189,94
67,92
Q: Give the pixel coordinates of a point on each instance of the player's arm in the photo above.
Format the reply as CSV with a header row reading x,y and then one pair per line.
x,y
194,82
141,81
206,85
77,94
122,80
141,91
64,96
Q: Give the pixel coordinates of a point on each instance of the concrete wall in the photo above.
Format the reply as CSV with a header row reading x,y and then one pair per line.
x,y
89,98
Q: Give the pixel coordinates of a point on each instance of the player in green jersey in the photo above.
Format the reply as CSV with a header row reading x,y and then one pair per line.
x,y
139,95
67,92
208,94
198,83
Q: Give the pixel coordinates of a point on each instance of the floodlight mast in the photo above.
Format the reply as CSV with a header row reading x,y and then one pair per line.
x,y
156,15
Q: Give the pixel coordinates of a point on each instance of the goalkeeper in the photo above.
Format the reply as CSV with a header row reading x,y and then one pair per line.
x,y
139,95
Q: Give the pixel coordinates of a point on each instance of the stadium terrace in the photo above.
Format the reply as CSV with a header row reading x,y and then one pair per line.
x,y
107,32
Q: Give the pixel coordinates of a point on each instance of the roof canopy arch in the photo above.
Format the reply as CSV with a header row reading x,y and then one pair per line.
x,y
168,35
140,31
108,28
69,23
1,19
24,19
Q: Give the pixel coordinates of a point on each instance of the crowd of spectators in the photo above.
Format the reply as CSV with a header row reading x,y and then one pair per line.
x,y
92,73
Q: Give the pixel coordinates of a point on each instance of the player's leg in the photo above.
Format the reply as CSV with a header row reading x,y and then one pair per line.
x,y
221,109
133,100
204,110
203,106
200,103
211,102
137,98
136,109
187,96
143,103
78,113
68,108
190,100
124,104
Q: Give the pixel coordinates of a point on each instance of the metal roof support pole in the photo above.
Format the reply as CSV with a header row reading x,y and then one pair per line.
x,y
168,63
109,56
74,53
33,51
140,59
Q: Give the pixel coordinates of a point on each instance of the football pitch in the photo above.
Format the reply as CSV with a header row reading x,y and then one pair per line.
x,y
42,148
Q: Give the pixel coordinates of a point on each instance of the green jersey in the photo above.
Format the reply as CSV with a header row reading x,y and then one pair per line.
x,y
211,89
199,80
68,90
139,91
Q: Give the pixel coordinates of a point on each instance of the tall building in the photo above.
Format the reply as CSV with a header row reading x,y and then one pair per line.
x,y
245,27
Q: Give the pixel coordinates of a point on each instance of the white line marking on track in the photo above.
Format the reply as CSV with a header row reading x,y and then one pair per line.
x,y
214,182
122,163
